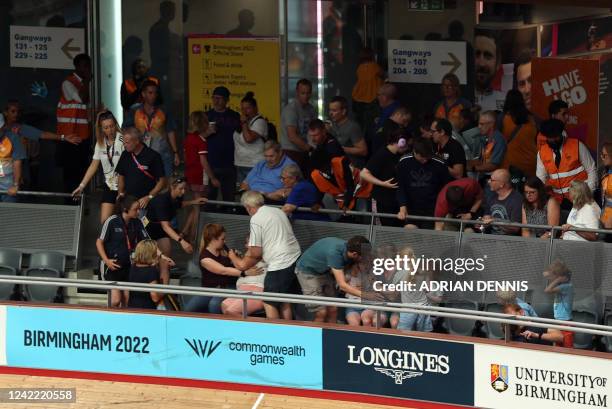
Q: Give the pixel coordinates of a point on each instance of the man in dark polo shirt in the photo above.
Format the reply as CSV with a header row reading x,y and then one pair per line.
x,y
140,169
447,148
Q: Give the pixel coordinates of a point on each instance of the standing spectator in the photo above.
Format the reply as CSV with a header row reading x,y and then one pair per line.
x,y
12,155
249,140
520,132
145,270
265,176
420,178
467,134
131,88
108,150
606,186
217,270
271,240
538,208
399,120
302,193
560,284
120,234
321,268
369,79
459,199
448,148
140,169
452,104
563,160
505,204
157,127
326,147
160,213
381,171
494,148
585,213
198,172
295,118
221,144
387,103
347,132
73,119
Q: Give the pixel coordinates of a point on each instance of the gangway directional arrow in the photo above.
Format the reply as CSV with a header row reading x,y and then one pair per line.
x,y
66,48
455,63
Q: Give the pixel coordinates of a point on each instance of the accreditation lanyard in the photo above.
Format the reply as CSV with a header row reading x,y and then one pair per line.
x,y
110,154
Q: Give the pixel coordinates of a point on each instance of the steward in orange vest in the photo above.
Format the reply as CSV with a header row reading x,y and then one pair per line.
x,y
131,88
343,182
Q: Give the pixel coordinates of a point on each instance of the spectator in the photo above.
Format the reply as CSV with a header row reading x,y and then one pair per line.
x,y
120,234
387,102
265,176
326,147
73,119
271,240
420,178
145,270
347,132
538,208
140,169
520,132
381,171
321,268
505,204
157,127
295,118
531,335
217,270
131,88
352,315
221,144
560,284
253,283
399,120
447,148
249,140
606,186
160,213
562,160
509,297
459,199
494,149
198,172
425,126
107,151
557,109
302,193
452,104
369,79
12,155
467,134
585,213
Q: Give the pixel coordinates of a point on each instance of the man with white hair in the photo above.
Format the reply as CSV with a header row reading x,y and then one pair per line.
x,y
272,240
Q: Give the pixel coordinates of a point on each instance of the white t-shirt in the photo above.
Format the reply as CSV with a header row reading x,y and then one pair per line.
x,y
249,154
271,230
254,280
70,91
105,154
587,218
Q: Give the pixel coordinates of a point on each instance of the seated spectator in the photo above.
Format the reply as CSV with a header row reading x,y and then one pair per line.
x,y
265,176
531,335
398,121
420,178
145,270
347,132
448,149
452,104
326,147
381,171
252,283
249,140
519,131
217,270
606,186
560,284
321,269
494,149
370,317
459,199
509,297
12,155
585,213
538,208
505,204
302,193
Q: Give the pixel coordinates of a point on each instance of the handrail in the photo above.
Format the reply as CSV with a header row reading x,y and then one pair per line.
x,y
500,318
45,194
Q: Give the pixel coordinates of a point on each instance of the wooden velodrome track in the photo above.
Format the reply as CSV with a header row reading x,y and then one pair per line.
x,y
112,394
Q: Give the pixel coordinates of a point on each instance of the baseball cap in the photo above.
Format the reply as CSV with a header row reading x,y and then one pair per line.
x,y
222,92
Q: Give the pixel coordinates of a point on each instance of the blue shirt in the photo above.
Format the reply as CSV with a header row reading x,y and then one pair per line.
x,y
221,143
499,148
305,194
15,152
529,311
26,131
564,300
324,254
264,179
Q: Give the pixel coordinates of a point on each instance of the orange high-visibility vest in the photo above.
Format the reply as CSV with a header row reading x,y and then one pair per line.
x,y
335,183
130,84
570,168
452,112
606,196
72,116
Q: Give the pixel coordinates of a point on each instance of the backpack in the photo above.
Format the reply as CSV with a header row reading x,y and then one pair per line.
x,y
272,134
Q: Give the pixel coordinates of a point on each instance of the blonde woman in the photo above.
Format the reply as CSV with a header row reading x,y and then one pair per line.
x,y
108,149
145,270
585,213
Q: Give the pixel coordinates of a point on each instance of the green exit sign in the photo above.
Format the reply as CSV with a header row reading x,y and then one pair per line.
x,y
426,5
